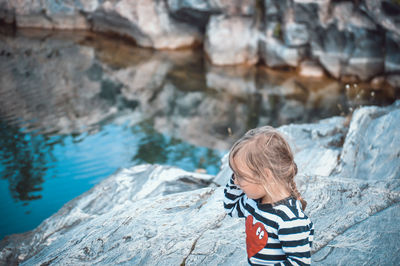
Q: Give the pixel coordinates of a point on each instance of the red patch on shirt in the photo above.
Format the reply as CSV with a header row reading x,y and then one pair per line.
x,y
256,236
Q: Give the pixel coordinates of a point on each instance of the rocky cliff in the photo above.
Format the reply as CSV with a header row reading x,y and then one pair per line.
x,y
147,215
349,40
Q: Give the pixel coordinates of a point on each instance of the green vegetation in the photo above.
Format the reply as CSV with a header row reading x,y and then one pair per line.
x,y
278,31
396,2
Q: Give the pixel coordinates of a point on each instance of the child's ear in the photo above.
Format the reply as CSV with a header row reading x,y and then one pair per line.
x,y
269,175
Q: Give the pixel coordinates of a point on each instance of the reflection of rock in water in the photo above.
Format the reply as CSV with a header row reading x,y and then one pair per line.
x,y
70,83
278,98
51,84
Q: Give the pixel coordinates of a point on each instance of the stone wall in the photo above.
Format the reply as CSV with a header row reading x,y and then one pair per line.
x,y
349,40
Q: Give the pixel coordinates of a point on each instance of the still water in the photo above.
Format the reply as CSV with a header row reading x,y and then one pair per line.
x,y
75,107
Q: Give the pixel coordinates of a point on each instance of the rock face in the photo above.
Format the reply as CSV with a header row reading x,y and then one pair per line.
x,y
48,14
373,148
242,44
147,22
348,42
357,39
139,215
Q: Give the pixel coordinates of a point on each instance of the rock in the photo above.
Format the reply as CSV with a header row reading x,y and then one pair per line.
x,y
231,8
130,185
124,219
377,82
295,34
376,235
242,45
276,15
316,146
235,7
281,35
275,9
385,13
348,17
339,205
194,12
394,81
392,55
343,38
338,55
372,139
311,69
347,38
147,22
6,15
366,60
225,171
198,13
275,54
51,15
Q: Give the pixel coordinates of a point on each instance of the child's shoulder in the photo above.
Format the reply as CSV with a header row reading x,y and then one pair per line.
x,y
289,209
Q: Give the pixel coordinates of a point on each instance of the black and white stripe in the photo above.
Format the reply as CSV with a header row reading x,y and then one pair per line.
x,y
290,231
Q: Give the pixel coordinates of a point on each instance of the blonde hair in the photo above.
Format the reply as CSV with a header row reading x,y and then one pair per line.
x,y
265,150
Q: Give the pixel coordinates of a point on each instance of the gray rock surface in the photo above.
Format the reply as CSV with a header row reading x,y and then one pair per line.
x,y
372,136
275,54
392,55
147,22
197,12
357,39
356,51
49,14
379,234
311,69
128,219
231,40
295,34
129,185
385,13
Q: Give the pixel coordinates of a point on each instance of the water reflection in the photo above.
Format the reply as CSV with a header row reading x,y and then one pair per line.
x,y
23,162
156,148
74,107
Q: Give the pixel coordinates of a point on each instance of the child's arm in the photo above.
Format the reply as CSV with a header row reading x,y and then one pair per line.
x,y
296,237
234,199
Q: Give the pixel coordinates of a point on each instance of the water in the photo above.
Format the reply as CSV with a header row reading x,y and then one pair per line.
x,y
40,173
76,107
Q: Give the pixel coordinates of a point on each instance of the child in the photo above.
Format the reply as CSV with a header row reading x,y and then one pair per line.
x,y
262,189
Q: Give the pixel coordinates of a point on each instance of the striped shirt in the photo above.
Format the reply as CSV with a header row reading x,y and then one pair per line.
x,y
278,234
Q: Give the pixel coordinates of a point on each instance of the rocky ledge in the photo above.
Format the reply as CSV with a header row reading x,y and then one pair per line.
x,y
149,214
350,40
